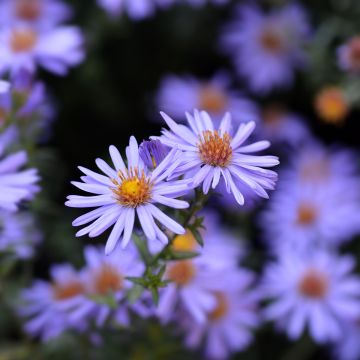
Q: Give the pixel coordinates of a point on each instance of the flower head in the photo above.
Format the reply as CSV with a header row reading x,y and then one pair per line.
x,y
266,48
210,155
18,234
349,55
128,190
317,292
15,185
24,47
178,95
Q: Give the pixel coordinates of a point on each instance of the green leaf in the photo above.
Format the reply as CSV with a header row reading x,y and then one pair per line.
x,y
155,295
183,255
138,280
198,237
135,293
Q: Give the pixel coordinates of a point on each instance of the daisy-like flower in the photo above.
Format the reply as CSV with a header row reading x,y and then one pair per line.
x,y
24,47
136,10
15,185
18,234
228,325
178,95
126,191
283,127
105,282
192,286
302,216
317,292
37,13
4,86
43,302
349,55
211,155
266,48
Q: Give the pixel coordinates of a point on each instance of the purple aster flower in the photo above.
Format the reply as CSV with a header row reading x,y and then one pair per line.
x,y
126,191
136,10
213,155
228,324
283,127
178,95
300,216
152,153
24,48
192,285
18,234
15,185
37,13
43,303
349,55
105,283
317,292
4,87
266,48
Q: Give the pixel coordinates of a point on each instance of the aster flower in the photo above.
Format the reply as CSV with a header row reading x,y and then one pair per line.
x,y
4,86
136,10
37,13
267,48
24,48
228,325
126,191
349,55
213,155
192,286
42,303
178,95
104,279
18,234
283,127
302,216
317,292
15,185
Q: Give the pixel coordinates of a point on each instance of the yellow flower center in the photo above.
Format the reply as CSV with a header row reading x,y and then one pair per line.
x,y
23,40
108,280
272,115
271,41
133,189
212,99
181,272
214,149
185,242
331,105
64,292
28,9
313,285
307,214
221,308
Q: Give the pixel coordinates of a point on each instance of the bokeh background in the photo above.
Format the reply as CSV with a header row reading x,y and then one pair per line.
x,y
108,98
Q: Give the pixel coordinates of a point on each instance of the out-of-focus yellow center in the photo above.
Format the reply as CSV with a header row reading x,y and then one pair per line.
x,y
108,280
22,40
181,272
315,170
212,99
29,10
133,189
313,285
272,115
331,105
271,41
221,308
214,149
307,214
67,291
185,242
